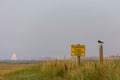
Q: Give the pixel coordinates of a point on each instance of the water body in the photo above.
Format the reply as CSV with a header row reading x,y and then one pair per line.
x,y
22,61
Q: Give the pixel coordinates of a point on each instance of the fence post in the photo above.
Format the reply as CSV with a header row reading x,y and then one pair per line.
x,y
101,53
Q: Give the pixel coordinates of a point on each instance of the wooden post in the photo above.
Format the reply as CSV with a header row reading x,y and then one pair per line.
x,y
78,60
101,53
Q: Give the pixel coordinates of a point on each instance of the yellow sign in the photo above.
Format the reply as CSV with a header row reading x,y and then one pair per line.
x,y
77,50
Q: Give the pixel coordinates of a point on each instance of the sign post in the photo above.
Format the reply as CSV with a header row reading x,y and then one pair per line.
x,y
78,60
78,50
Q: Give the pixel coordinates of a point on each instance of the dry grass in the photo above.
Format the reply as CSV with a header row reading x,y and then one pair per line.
x,y
6,68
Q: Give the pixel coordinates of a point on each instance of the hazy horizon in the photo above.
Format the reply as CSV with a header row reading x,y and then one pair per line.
x,y
38,28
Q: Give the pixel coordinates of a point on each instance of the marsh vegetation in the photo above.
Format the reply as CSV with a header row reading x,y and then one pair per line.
x,y
62,70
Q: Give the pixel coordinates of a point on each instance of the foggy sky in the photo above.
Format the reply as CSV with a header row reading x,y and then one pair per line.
x,y
37,28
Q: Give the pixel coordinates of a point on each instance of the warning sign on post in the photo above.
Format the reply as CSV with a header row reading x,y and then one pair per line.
x,y
77,50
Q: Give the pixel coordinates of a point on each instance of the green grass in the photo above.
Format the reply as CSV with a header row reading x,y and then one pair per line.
x,y
68,70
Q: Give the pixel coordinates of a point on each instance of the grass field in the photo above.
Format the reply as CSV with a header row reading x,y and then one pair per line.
x,y
61,70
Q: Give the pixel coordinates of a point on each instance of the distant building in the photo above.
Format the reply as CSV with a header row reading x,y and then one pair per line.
x,y
14,58
114,57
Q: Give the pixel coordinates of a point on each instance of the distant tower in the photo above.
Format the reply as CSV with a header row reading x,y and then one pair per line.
x,y
14,58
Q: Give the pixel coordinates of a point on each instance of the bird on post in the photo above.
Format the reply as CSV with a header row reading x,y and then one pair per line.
x,y
100,42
